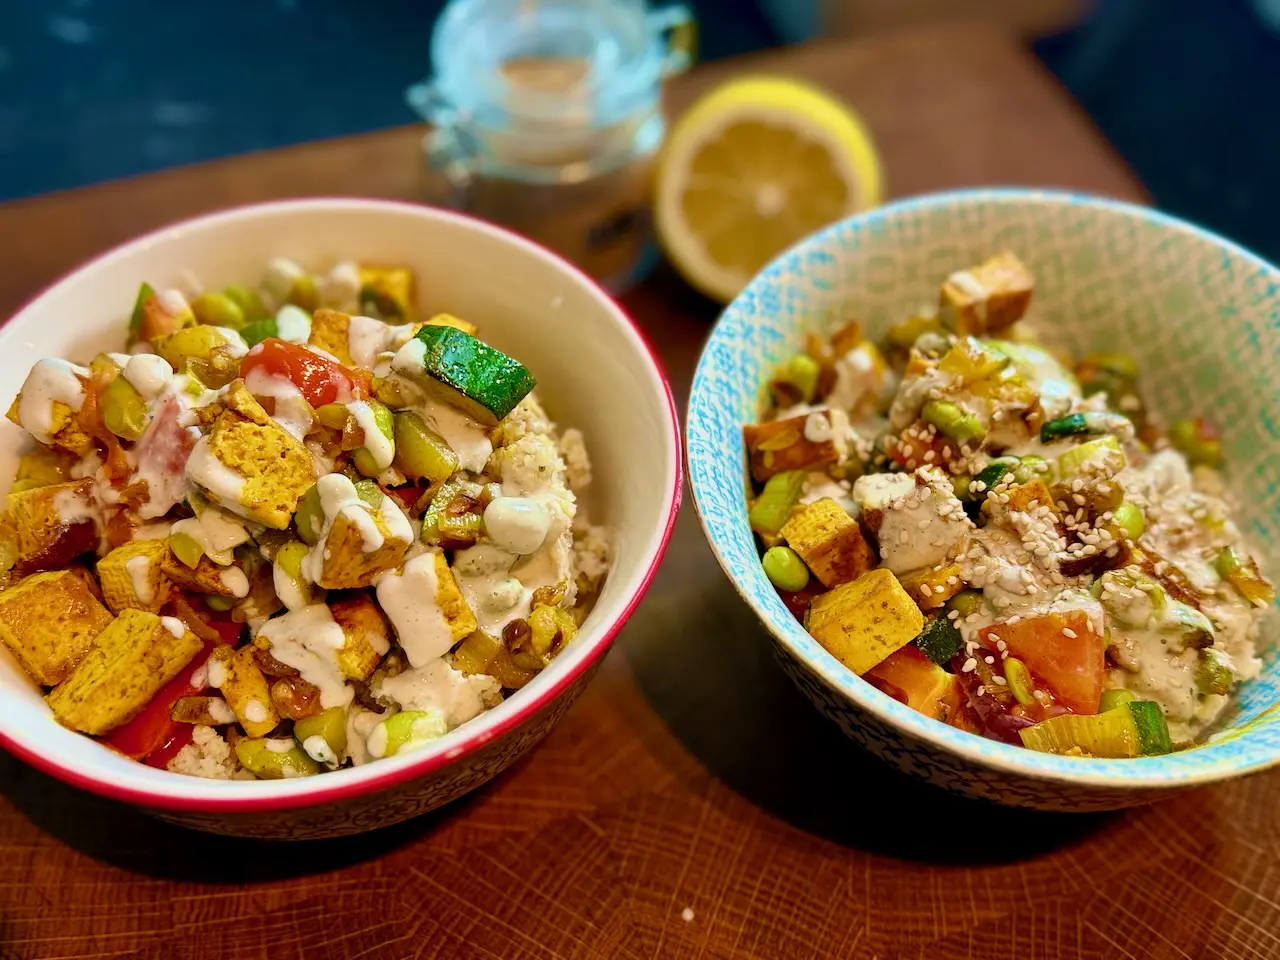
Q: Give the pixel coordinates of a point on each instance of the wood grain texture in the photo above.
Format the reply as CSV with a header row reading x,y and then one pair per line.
x,y
691,775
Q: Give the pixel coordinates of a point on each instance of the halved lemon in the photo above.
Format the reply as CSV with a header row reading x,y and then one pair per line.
x,y
753,166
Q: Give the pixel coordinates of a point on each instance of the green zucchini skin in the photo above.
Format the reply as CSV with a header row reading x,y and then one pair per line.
x,y
484,382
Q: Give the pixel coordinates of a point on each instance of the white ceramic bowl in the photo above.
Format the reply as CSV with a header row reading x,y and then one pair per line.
x,y
594,371
1197,312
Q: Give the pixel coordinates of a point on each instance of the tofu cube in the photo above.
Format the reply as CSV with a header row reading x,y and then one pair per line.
x,y
367,633
829,541
457,612
54,524
276,468
330,331
990,297
346,562
205,577
390,290
245,688
132,576
49,622
781,445
932,587
863,622
129,663
65,432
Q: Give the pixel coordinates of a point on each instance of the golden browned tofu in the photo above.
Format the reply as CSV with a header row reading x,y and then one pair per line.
x,y
275,467
132,576
49,621
347,564
205,577
829,541
862,622
990,297
931,588
391,290
457,612
781,445
367,633
129,663
54,523
330,331
245,688
1025,497
65,432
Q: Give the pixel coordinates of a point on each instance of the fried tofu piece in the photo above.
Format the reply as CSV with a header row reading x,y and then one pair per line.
x,y
781,445
276,468
54,523
245,688
205,577
990,297
390,290
346,562
49,622
829,541
129,663
65,432
457,612
132,576
331,331
863,622
931,588
1028,497
368,636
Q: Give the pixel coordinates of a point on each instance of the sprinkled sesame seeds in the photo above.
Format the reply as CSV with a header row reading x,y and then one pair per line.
x,y
1000,680
1069,633
970,665
988,660
925,590
981,690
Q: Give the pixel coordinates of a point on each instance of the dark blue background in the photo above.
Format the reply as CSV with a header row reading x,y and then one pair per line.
x,y
1188,90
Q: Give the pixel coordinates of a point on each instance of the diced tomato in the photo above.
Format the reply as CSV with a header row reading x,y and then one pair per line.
x,y
909,676
321,381
1062,650
181,736
798,602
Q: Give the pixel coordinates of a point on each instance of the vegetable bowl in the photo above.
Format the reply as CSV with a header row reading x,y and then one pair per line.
x,y
987,521
312,529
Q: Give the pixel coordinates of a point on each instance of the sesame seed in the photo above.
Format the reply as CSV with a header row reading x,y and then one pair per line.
x,y
1078,500
1000,680
989,659
925,590
1077,485
939,589
952,614
970,665
1068,632
981,690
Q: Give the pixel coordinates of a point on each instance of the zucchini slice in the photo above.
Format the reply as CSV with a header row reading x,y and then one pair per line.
x,y
473,376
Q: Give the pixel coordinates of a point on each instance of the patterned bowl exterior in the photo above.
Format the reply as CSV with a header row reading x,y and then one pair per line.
x,y
401,802
1201,315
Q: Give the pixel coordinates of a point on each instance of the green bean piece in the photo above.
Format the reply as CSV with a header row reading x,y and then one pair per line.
x,y
421,453
124,411
952,420
785,569
309,517
1115,697
217,310
1020,683
363,458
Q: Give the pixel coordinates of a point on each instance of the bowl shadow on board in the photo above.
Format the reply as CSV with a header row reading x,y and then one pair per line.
x,y
131,839
706,665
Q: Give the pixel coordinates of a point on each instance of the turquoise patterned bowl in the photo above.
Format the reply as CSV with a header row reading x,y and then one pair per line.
x,y
1201,315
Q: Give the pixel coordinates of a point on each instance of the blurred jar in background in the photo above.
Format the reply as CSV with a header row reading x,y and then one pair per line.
x,y
546,118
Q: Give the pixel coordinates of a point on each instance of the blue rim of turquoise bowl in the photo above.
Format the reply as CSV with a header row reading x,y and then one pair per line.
x,y
1207,763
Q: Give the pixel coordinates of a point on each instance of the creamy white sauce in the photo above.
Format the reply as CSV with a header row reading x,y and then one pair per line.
x,y
517,524
360,724
408,598
291,410
148,374
338,497
172,302
366,338
438,686
484,576
234,579
318,749
174,626
232,343
139,569
217,532
468,439
410,359
50,380
293,324
220,481
308,639
276,744
376,743
381,448
292,594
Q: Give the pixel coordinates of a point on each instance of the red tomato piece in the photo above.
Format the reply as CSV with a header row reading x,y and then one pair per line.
x,y
910,677
1062,650
321,381
181,736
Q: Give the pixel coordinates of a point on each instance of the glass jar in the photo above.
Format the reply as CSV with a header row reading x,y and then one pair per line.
x,y
546,117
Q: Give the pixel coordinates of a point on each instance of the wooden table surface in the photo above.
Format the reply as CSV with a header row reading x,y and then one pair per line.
x,y
690,804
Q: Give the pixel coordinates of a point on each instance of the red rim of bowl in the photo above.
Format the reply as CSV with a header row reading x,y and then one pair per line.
x,y
526,706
